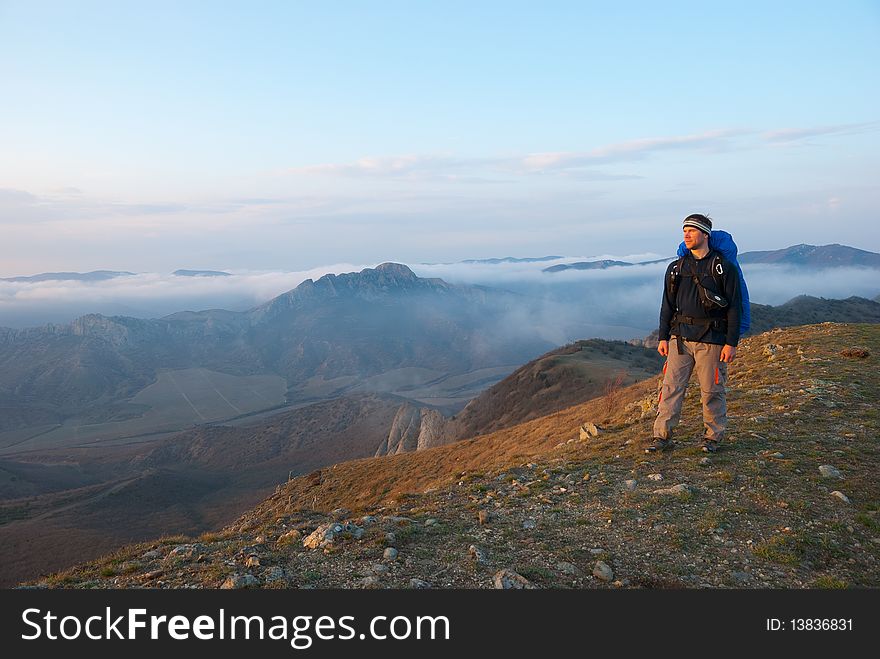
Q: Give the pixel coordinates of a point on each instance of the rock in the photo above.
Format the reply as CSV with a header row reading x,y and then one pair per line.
x,y
184,551
680,490
705,462
369,582
418,583
289,538
777,455
340,513
630,484
477,554
840,495
586,477
507,579
368,519
588,430
390,538
739,577
275,574
483,516
326,534
567,568
252,561
529,523
602,571
655,477
595,551
771,349
237,581
827,471
379,569
430,522
151,555
390,554
260,539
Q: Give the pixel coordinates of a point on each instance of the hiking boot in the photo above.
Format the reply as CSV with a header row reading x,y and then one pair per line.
x,y
710,446
659,444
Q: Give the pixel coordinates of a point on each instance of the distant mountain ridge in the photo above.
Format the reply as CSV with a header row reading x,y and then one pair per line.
x,y
200,273
96,275
334,332
819,256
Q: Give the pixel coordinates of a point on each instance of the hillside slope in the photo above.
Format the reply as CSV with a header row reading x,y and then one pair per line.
x,y
537,500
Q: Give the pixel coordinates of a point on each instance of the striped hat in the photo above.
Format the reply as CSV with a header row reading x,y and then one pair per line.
x,y
698,221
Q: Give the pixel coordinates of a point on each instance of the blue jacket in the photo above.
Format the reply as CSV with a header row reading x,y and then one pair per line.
x,y
722,242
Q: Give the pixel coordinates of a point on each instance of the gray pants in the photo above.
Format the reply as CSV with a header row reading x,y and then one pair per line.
x,y
712,374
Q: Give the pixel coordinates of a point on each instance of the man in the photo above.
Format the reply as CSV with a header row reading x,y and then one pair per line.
x,y
701,314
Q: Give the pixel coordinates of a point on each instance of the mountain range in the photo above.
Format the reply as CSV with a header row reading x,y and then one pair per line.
x,y
381,329
813,256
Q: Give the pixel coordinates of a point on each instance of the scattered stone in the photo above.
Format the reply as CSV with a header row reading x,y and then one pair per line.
x,y
275,574
655,477
741,578
252,561
630,484
340,513
483,516
390,538
588,430
260,539
151,555
185,551
856,353
390,554
368,519
237,581
379,569
620,583
680,490
507,579
326,534
597,552
704,462
369,582
567,568
477,554
829,471
771,349
529,523
777,455
586,477
419,584
430,522
840,495
603,572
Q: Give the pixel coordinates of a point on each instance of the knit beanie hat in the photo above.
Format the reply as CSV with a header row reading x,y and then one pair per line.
x,y
700,222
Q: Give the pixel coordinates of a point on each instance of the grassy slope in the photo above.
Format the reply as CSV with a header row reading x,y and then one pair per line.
x,y
759,513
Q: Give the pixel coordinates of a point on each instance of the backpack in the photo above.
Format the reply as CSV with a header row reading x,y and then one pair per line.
x,y
722,243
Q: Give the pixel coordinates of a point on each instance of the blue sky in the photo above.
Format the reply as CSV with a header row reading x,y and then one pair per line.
x,y
286,135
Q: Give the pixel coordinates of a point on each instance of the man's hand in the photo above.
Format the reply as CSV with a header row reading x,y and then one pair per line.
x,y
728,354
663,348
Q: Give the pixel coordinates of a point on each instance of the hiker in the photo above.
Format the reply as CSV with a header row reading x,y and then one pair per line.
x,y
700,317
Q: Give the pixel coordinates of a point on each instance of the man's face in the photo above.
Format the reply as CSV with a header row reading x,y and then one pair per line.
x,y
694,238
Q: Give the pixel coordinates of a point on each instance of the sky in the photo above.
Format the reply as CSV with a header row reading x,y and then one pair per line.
x,y
284,136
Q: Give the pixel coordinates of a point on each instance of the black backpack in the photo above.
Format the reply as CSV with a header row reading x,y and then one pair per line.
x,y
711,299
